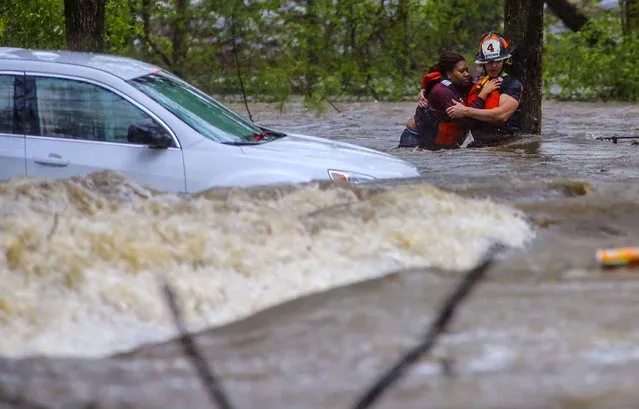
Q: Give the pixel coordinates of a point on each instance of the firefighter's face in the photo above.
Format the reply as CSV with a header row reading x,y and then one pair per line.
x,y
459,75
493,68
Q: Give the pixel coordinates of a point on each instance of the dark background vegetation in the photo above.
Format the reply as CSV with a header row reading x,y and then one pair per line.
x,y
325,49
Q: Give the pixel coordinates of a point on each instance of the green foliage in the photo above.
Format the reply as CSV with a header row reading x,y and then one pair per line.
x,y
121,26
327,48
596,63
321,49
324,49
32,23
462,31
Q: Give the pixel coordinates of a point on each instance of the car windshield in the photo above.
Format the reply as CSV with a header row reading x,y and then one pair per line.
x,y
201,112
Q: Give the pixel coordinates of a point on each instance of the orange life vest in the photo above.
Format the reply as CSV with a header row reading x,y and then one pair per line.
x,y
492,100
450,134
431,77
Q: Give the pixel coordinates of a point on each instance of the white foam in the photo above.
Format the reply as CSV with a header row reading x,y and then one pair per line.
x,y
92,288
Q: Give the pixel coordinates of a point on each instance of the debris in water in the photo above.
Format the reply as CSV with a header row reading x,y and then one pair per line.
x,y
205,373
616,257
437,328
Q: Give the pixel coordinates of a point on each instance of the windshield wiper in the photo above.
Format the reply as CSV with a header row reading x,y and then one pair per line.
x,y
256,139
271,133
240,143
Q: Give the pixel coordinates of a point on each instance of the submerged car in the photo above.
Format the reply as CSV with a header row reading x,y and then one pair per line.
x,y
65,114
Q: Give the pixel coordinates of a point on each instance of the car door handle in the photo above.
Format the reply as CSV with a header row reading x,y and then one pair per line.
x,y
52,160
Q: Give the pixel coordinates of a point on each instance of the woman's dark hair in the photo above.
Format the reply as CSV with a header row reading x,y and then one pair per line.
x,y
447,62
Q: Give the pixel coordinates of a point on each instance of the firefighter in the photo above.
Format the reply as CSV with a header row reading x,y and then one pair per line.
x,y
496,116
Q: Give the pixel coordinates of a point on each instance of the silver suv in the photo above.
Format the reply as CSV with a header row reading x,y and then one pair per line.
x,y
66,114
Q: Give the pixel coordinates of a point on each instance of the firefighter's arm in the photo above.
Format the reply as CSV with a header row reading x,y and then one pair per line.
x,y
507,107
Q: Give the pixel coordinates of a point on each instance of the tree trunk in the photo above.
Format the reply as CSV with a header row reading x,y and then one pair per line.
x,y
524,25
630,17
311,46
179,36
401,18
84,24
568,14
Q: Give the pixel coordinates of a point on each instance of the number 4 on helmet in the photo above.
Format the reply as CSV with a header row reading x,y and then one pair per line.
x,y
493,47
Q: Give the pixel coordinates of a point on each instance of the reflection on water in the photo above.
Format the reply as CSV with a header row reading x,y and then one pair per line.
x,y
548,328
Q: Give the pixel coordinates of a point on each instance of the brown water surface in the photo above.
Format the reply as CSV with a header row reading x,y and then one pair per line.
x,y
353,276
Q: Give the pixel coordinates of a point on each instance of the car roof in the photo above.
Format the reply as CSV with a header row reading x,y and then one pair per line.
x,y
123,67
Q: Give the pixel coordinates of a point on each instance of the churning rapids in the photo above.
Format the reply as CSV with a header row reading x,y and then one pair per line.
x,y
304,294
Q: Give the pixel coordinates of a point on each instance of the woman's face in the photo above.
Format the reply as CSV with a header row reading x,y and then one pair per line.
x,y
493,68
459,75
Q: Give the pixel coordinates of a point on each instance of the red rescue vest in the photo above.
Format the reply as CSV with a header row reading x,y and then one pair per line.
x,y
450,134
492,100
431,77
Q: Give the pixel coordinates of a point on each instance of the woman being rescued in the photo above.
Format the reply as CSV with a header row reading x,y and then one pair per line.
x,y
446,82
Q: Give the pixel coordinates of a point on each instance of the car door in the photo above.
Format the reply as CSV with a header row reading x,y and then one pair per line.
x,y
76,127
12,156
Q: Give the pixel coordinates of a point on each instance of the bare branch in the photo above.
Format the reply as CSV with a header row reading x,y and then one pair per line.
x,y
324,98
156,48
205,373
146,33
439,326
568,13
237,65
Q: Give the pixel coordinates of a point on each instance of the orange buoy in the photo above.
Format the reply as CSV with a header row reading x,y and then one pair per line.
x,y
622,256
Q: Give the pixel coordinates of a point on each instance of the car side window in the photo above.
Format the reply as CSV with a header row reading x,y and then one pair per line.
x,y
79,110
7,96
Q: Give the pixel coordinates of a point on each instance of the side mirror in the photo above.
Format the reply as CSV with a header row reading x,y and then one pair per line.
x,y
149,134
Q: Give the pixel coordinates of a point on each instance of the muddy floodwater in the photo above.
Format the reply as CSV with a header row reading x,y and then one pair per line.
x,y
302,295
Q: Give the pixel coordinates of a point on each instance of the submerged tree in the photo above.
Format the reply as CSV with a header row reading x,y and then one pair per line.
x,y
523,24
